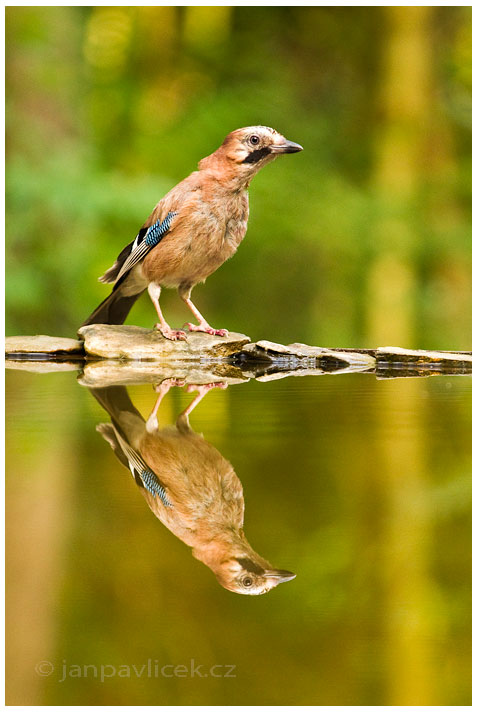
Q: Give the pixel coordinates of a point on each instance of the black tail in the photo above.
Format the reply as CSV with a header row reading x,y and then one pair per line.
x,y
112,310
115,400
126,421
109,434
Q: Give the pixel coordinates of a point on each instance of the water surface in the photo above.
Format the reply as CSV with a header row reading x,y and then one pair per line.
x,y
359,486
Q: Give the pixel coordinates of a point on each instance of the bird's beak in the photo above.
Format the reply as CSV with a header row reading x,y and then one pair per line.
x,y
279,576
286,147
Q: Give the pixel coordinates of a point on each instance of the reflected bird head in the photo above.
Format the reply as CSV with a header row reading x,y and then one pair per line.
x,y
250,575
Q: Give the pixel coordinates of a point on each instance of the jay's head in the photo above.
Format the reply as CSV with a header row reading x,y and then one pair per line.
x,y
250,574
237,566
246,151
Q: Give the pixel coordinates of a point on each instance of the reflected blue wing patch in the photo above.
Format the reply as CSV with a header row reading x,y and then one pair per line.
x,y
154,486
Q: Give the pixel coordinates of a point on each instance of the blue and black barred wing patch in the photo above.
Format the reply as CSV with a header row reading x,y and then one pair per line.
x,y
145,241
137,465
154,486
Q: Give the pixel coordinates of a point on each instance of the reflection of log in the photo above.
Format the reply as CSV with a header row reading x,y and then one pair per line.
x,y
126,373
420,363
42,365
129,354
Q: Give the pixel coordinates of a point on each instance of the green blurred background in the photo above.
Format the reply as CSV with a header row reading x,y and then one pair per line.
x,y
361,240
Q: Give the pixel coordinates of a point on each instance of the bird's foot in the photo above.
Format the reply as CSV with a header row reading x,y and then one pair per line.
x,y
205,328
167,384
171,334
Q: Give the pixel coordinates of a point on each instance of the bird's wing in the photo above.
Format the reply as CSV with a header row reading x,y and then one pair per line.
x,y
132,459
146,239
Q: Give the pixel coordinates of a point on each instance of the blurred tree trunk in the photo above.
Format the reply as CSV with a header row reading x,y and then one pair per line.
x,y
404,103
411,626
37,527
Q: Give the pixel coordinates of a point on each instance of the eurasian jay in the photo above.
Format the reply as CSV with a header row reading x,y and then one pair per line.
x,y
189,486
196,227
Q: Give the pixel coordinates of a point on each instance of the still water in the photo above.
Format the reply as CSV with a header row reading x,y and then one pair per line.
x,y
359,486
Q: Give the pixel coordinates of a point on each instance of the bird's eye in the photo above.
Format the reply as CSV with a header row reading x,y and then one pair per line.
x,y
247,581
254,140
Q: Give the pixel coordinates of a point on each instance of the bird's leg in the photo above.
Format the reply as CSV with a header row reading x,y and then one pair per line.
x,y
172,334
185,295
161,388
182,422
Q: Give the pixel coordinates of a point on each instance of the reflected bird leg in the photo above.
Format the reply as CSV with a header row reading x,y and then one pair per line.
x,y
182,422
172,334
185,294
161,389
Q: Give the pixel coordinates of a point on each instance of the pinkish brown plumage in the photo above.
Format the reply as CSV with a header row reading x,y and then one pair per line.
x,y
196,227
189,486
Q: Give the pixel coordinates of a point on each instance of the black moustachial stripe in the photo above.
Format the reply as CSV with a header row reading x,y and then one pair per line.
x,y
256,155
250,566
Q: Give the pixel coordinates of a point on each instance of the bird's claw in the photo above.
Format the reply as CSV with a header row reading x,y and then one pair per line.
x,y
168,383
171,334
206,329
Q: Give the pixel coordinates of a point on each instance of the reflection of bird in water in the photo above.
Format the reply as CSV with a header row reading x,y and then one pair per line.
x,y
189,486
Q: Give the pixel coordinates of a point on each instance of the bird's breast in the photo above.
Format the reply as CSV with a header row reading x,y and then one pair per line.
x,y
204,491
200,242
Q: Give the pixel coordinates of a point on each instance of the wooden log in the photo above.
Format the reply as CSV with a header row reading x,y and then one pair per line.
x,y
263,359
43,345
302,355
135,343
